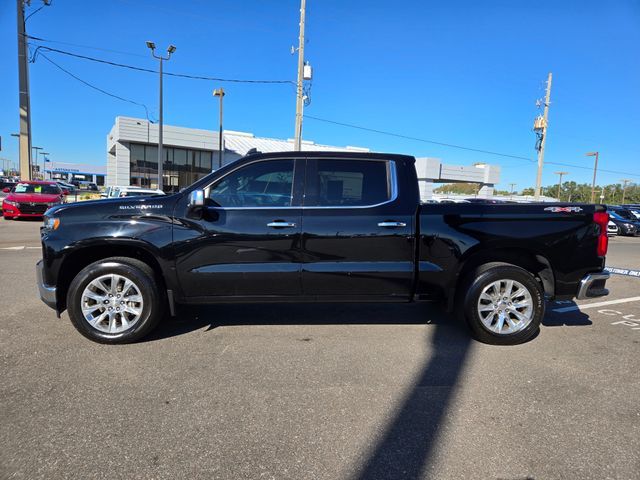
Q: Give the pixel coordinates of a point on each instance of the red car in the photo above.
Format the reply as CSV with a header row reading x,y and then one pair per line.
x,y
31,199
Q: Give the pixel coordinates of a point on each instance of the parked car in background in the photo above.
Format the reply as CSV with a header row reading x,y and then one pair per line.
x,y
7,182
612,229
69,187
625,226
31,199
633,210
135,192
485,201
85,186
624,212
105,193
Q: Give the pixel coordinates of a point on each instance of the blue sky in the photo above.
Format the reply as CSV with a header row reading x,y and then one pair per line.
x,y
454,71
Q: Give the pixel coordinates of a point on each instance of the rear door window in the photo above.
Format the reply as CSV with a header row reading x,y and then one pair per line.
x,y
348,183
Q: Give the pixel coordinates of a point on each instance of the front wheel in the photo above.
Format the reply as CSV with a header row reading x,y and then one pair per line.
x,y
504,305
114,300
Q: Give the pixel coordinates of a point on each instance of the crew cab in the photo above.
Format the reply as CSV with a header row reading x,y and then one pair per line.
x,y
316,227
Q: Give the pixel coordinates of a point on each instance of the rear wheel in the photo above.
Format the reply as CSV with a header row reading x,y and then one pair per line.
x,y
115,300
503,305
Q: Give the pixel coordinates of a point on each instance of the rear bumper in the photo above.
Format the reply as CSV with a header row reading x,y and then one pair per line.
x,y
593,285
47,293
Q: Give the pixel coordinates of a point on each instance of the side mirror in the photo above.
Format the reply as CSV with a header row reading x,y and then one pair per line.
x,y
6,190
196,199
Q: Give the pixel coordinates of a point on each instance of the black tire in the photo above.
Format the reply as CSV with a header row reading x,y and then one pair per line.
x,y
485,276
145,280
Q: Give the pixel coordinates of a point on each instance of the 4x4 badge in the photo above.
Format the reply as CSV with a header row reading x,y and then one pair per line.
x,y
563,209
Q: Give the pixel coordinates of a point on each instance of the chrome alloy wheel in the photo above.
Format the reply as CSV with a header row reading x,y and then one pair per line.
x,y
112,303
505,307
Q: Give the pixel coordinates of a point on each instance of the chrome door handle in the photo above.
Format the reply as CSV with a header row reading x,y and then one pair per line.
x,y
392,224
280,224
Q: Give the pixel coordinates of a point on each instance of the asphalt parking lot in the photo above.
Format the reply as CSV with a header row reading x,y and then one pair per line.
x,y
320,392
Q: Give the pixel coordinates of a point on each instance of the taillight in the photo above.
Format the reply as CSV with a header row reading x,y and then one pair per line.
x,y
602,219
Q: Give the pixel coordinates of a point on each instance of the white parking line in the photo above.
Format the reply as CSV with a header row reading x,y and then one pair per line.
x,y
595,305
19,247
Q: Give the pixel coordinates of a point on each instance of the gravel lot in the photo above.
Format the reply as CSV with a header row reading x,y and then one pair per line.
x,y
318,392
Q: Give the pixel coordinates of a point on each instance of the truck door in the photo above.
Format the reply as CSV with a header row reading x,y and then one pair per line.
x,y
357,234
247,242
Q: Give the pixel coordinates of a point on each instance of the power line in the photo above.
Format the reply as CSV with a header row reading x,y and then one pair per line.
x,y
96,88
599,170
424,140
149,70
79,45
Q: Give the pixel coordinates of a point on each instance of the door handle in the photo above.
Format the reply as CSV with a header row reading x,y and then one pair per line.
x,y
392,224
281,224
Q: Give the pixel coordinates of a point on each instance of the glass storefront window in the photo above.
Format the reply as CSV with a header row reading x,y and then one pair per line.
x,y
181,167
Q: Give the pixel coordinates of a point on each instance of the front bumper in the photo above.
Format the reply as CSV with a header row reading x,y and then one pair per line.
x,y
593,285
47,293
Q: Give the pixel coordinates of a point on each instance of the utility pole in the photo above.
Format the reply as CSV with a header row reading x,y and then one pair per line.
x,y
25,103
299,90
152,46
560,182
219,92
595,171
543,141
624,188
512,185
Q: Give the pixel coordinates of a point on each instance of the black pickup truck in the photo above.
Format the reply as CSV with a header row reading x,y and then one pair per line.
x,y
315,227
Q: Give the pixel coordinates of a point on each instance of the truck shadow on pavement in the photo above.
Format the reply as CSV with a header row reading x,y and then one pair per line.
x,y
572,318
403,450
406,447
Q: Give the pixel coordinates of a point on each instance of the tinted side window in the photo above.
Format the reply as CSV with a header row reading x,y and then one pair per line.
x,y
261,184
345,183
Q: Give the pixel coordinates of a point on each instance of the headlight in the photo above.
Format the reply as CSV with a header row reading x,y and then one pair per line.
x,y
9,202
51,223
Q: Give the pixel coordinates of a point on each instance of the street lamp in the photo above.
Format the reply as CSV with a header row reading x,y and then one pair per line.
x,y
170,50
43,161
595,170
219,92
17,135
37,149
560,182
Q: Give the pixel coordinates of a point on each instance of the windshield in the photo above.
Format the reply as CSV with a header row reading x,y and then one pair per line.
x,y
37,188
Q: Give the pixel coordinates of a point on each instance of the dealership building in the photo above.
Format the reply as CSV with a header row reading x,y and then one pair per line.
x,y
189,154
72,172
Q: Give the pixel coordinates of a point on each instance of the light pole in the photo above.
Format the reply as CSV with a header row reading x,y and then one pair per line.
x,y
44,159
17,135
170,50
560,182
624,188
37,149
219,92
595,170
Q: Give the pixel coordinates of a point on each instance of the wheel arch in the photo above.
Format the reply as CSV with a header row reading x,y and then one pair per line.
x,y
75,261
535,263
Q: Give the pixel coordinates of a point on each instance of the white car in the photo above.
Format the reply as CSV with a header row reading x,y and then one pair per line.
x,y
612,229
134,192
